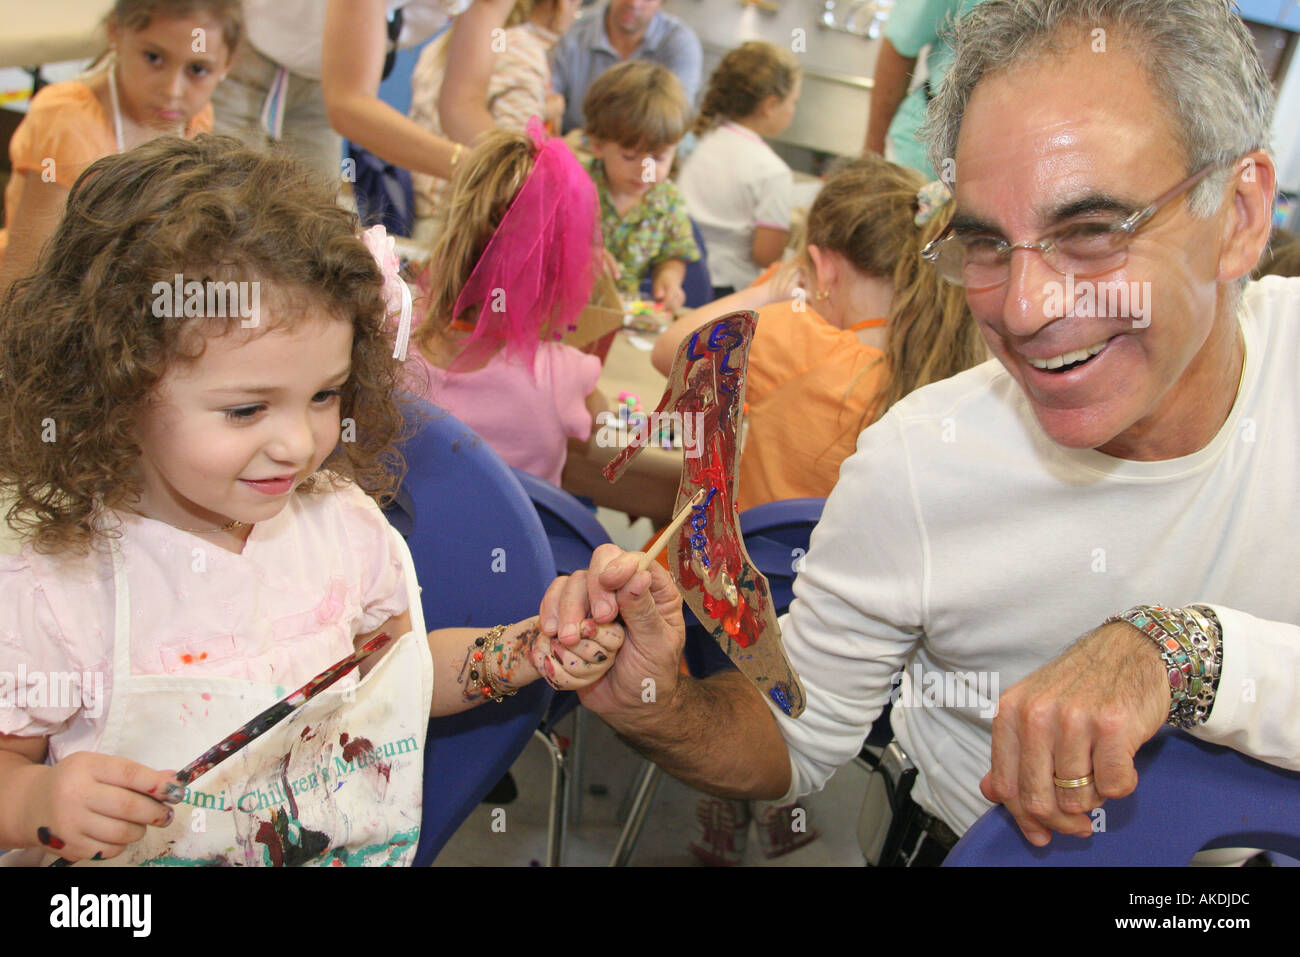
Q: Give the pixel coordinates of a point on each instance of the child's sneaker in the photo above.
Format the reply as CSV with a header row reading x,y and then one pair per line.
x,y
782,829
724,827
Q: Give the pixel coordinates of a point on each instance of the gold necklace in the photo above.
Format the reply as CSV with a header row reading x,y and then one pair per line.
x,y
234,523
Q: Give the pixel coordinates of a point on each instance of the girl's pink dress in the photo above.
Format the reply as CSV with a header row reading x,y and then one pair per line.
x,y
526,418
323,570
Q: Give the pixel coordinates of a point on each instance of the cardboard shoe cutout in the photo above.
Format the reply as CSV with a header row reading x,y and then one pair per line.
x,y
708,560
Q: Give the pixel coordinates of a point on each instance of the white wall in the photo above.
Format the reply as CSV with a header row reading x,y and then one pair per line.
x,y
832,114
1286,130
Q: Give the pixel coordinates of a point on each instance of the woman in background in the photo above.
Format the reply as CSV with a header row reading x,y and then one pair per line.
x,y
519,88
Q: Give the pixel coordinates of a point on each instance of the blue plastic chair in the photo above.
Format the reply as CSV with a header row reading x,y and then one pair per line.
x,y
776,536
571,528
482,558
1191,796
574,534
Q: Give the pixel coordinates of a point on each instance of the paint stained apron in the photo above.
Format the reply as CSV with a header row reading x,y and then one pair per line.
x,y
336,783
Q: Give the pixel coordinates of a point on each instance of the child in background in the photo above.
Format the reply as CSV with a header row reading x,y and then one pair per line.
x,y
196,531
874,324
519,88
880,323
737,189
514,263
637,112
155,80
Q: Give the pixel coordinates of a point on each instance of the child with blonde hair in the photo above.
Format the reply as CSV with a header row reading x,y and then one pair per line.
x,y
636,114
737,189
847,329
512,267
197,534
165,59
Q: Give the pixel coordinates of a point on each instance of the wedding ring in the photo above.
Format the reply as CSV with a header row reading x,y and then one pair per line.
x,y
1082,782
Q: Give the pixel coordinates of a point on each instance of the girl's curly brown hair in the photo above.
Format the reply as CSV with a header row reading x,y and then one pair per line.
x,y
81,350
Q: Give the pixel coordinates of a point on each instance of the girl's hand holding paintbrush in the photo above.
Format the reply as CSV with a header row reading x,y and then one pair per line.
x,y
87,805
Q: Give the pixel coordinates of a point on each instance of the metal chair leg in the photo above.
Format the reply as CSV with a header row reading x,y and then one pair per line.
x,y
578,777
555,829
643,796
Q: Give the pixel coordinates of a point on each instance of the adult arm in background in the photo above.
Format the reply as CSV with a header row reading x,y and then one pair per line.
x,y
913,25
462,101
889,87
352,62
31,224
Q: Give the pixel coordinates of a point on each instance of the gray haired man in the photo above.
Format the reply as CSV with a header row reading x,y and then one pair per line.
x,y
1133,445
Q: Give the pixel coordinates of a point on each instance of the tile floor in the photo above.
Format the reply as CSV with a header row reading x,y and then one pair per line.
x,y
519,836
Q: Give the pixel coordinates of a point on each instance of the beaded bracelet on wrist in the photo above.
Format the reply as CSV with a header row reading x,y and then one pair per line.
x,y
1211,629
1189,642
481,681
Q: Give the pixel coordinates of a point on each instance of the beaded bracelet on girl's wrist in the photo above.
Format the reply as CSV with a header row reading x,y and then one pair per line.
x,y
1190,644
481,681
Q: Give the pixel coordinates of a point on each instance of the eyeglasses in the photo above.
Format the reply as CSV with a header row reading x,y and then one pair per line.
x,y
1080,249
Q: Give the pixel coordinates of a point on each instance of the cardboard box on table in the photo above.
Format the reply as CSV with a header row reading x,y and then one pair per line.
x,y
597,324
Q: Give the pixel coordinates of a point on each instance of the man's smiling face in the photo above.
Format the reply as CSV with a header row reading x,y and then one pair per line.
x,y
1082,138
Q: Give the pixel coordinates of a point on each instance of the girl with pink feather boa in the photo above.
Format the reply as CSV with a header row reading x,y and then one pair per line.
x,y
511,270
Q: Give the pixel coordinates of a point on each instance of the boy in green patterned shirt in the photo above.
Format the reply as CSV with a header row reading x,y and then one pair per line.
x,y
636,113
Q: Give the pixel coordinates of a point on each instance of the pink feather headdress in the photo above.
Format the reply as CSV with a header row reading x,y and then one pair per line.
x,y
537,272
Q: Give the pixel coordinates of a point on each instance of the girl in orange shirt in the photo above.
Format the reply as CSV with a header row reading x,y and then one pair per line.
x,y
165,58
845,330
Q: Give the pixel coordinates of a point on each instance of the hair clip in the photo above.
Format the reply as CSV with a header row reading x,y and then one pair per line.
x,y
397,295
931,198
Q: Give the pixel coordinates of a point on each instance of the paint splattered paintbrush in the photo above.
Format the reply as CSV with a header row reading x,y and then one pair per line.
x,y
263,722
668,533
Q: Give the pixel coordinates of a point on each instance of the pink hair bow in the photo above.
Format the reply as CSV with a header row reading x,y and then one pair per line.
x,y
397,295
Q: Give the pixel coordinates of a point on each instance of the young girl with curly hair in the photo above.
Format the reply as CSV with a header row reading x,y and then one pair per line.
x,y
192,483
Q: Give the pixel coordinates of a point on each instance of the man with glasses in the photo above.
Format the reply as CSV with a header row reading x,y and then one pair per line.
x,y
1126,471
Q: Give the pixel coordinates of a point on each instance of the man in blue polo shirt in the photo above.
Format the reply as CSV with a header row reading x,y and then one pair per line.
x,y
622,30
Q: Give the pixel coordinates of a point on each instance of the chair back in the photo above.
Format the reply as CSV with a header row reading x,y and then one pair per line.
x,y
776,536
697,284
574,534
482,558
571,528
1191,796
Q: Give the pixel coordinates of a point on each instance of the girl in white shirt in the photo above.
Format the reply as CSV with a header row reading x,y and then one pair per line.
x,y
737,189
